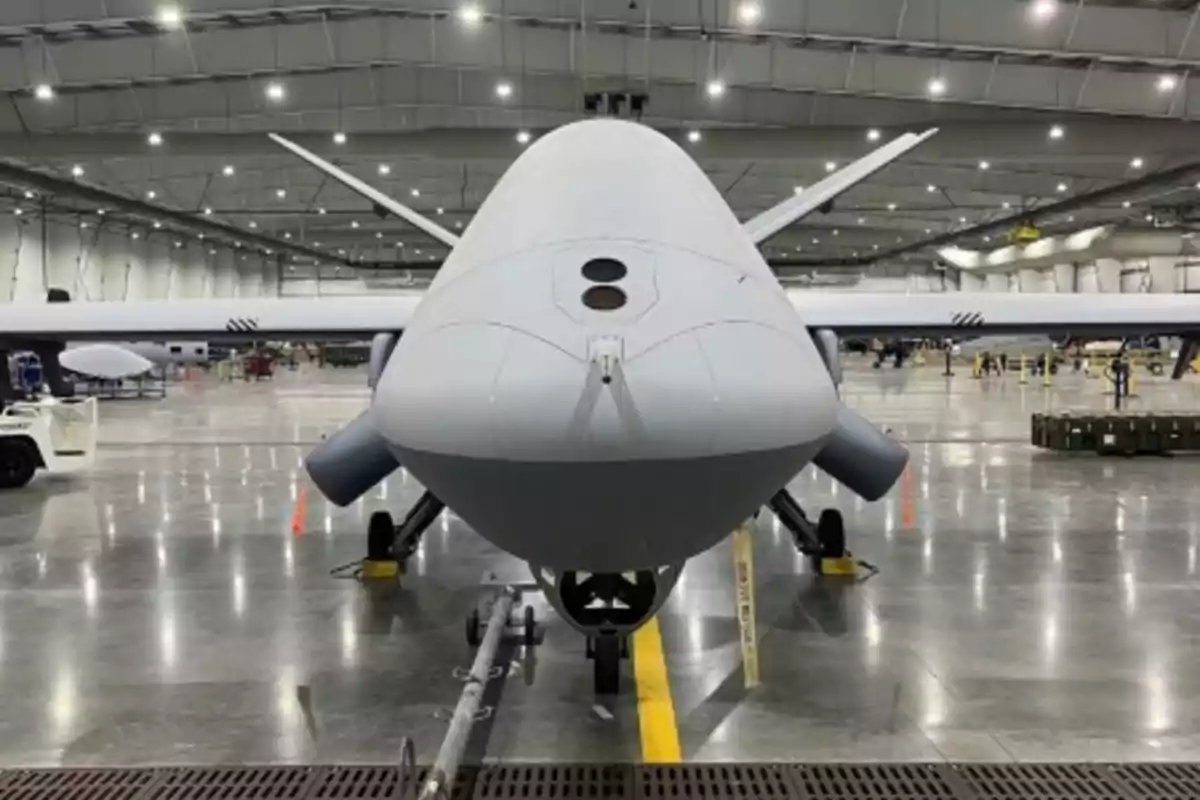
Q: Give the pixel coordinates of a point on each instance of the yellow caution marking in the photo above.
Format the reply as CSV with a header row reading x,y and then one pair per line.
x,y
743,573
656,710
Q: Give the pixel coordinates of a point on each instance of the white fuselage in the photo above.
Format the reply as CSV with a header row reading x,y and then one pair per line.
x,y
594,438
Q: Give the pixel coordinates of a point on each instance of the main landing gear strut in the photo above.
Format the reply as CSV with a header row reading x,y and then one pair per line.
x,y
824,542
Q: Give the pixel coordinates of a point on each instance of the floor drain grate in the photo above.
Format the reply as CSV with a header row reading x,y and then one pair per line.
x,y
1039,782
362,783
553,782
876,782
234,783
75,784
1158,781
715,781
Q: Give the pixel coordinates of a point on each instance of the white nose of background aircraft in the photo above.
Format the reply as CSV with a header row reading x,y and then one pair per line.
x,y
605,377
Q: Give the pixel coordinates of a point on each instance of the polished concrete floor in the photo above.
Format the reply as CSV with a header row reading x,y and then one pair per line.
x,y
1029,606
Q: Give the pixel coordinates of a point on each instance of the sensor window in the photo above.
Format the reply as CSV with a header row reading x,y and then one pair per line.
x,y
604,270
604,298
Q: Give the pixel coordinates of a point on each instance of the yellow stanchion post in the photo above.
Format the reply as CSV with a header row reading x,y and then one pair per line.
x,y
1048,371
1024,369
977,366
743,566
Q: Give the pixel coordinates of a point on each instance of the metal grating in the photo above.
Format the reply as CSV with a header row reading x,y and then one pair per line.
x,y
1039,782
1158,781
877,782
76,784
233,783
715,781
554,781
360,783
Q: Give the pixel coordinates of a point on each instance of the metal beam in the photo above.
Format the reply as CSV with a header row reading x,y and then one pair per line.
x,y
52,186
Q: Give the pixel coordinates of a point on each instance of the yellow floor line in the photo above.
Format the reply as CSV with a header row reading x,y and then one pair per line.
x,y
656,710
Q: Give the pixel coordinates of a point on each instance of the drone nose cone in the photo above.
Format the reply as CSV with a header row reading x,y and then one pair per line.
x,y
525,440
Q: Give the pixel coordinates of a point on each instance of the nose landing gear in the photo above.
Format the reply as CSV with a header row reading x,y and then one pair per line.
x,y
823,542
389,546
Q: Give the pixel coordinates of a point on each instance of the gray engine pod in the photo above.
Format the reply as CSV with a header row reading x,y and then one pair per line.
x,y
860,456
347,464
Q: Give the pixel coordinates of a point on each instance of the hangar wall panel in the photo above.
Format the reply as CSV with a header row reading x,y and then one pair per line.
x,y
97,264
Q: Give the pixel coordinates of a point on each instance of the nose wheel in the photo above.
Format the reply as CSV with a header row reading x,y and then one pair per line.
x,y
824,542
606,651
389,543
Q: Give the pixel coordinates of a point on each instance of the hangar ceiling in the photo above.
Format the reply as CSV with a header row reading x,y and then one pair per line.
x,y
1040,101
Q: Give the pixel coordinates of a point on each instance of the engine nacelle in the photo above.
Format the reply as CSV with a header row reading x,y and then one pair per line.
x,y
347,464
860,456
829,346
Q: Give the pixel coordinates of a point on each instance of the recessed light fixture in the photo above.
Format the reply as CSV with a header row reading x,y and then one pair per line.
x,y
321,210
694,136
931,188
928,231
77,171
715,88
169,16
962,220
287,234
441,210
28,195
523,137
415,192
457,224
469,14
385,169
862,220
275,91
208,211
1057,131
154,138
1167,83
18,212
891,206
1126,204
1062,187
101,211
281,193
937,87
749,12
378,234
797,189
985,165
354,224
135,235
830,166
157,225
1006,205
253,224
1071,218
1042,10
151,194
873,135
228,170
339,137
1137,163
44,92
504,90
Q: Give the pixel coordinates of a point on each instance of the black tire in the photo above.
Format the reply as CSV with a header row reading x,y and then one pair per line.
x,y
530,627
18,462
473,626
831,533
381,534
606,664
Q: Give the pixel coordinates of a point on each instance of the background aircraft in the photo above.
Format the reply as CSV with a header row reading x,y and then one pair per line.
x,y
605,378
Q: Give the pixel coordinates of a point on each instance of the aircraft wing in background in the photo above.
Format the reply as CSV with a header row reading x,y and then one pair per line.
x,y
987,313
209,320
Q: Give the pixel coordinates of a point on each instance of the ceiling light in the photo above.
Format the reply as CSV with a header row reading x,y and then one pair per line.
x,y
1167,83
44,92
418,251
830,166
962,220
928,231
749,12
18,211
155,138
523,137
862,220
937,87
354,224
275,91
101,211
253,224
1043,9
321,210
873,135
157,225
874,247
169,16
694,136
1071,218
77,171
441,210
385,169
1149,218
715,88
135,235
931,188
379,234
797,189
816,241
228,170
281,193
150,195
1137,163
1006,205
1126,204
287,235
208,211
470,14
1057,132
178,245
835,231
504,90
985,165
415,192
339,138
891,206
1062,187
83,224
457,224
987,238
28,195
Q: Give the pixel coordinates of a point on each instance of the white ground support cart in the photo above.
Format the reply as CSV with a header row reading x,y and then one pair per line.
x,y
54,434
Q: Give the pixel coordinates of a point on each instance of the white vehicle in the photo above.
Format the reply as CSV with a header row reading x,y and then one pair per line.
x,y
55,435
